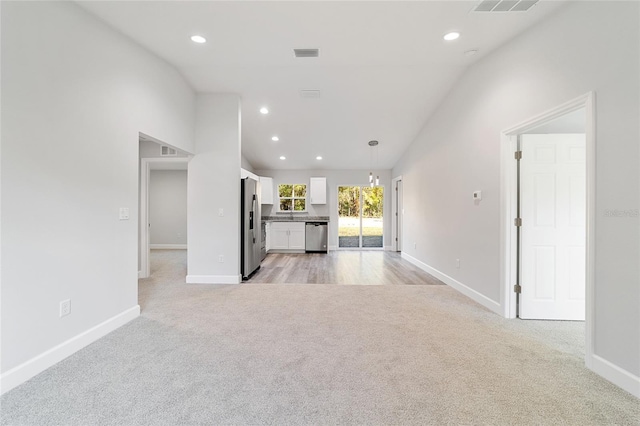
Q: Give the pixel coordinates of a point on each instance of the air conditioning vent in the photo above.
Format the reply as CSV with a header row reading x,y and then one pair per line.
x,y
523,6
306,53
166,151
310,94
505,5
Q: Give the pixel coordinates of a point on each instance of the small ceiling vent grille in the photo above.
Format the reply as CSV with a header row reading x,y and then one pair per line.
x,y
505,5
166,151
306,53
310,94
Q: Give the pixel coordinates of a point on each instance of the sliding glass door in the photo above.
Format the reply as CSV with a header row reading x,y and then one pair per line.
x,y
360,219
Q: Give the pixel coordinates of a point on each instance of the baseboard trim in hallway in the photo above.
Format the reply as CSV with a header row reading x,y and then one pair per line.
x,y
25,371
214,279
616,375
492,305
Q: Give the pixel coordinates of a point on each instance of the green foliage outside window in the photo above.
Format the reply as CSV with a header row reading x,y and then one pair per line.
x,y
349,201
292,197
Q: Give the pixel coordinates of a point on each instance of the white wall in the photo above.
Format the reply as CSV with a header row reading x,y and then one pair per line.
x,y
586,46
168,207
214,184
245,164
75,96
335,178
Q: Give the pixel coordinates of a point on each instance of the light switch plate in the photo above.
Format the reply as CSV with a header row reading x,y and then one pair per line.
x,y
124,213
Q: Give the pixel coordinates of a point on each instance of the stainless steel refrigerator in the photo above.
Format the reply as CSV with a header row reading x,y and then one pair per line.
x,y
250,225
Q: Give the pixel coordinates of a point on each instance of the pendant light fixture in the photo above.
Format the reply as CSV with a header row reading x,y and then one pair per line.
x,y
374,146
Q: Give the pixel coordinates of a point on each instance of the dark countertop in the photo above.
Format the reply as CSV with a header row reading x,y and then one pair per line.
x,y
295,218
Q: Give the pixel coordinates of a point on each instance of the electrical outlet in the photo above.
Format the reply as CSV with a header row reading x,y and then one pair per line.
x,y
221,259
457,263
65,308
220,212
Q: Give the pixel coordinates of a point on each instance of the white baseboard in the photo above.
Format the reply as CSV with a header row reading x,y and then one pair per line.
x,y
389,248
25,371
332,248
616,375
167,246
457,285
214,279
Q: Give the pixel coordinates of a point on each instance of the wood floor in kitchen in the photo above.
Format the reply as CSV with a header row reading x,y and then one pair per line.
x,y
342,268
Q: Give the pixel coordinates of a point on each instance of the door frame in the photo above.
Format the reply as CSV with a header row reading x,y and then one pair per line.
x,y
396,214
508,259
384,200
145,175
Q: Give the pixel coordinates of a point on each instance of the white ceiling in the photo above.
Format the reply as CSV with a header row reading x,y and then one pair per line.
x,y
383,66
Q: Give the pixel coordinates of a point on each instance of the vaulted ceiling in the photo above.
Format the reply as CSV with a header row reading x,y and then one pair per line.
x,y
383,66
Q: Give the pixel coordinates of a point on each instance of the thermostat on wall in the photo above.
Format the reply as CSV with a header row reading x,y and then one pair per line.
x,y
477,195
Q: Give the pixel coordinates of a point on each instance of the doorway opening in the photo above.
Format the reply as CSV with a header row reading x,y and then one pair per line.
x,y
162,200
360,217
547,215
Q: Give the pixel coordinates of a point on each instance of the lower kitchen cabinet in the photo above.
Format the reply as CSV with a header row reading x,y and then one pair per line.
x,y
286,236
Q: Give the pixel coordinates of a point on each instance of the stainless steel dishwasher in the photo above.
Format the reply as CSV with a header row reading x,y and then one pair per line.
x,y
316,237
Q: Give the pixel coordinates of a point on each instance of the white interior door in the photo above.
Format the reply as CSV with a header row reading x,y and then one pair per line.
x,y
553,211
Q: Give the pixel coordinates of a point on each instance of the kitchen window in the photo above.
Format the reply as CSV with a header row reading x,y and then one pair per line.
x,y
293,197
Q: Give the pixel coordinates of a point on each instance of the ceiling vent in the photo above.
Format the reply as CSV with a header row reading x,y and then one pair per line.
x,y
306,53
310,94
505,5
166,151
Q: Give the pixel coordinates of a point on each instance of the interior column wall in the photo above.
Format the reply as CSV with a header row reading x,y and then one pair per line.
x,y
213,187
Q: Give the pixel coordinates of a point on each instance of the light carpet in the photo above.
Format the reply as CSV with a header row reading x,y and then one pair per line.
x,y
315,355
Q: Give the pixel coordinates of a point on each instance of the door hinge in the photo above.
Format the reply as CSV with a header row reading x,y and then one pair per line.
x,y
517,288
517,221
518,155
396,238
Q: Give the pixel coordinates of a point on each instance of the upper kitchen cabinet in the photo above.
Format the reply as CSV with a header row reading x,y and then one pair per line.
x,y
266,190
318,190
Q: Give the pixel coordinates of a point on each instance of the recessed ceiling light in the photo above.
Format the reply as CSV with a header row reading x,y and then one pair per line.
x,y
451,36
318,158
282,157
275,138
264,110
198,39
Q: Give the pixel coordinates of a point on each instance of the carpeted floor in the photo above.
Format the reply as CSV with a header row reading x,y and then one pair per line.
x,y
318,354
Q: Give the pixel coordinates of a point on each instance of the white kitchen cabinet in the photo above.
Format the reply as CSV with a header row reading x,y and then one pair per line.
x,y
279,236
246,173
268,236
266,190
286,236
297,236
318,190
